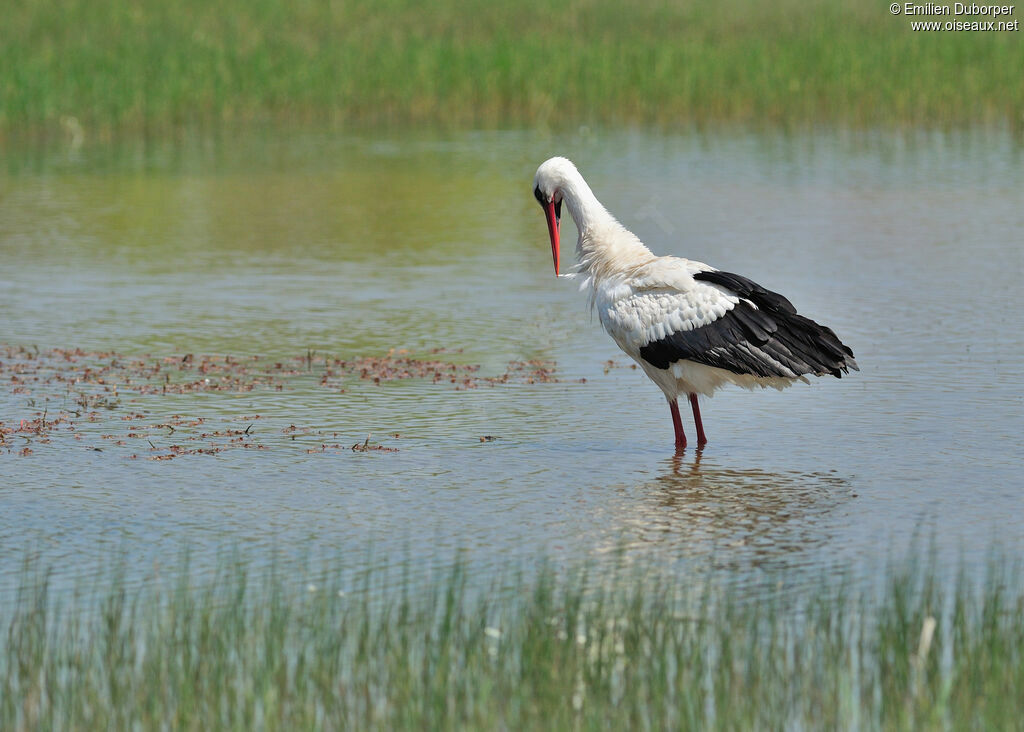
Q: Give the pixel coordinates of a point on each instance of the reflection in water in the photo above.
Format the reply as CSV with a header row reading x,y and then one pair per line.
x,y
733,517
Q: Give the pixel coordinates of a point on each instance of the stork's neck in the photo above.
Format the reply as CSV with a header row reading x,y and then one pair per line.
x,y
605,247
583,205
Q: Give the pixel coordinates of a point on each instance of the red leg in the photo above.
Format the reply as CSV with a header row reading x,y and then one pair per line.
x,y
701,438
677,424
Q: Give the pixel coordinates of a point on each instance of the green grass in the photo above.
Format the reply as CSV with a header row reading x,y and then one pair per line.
x,y
254,650
147,65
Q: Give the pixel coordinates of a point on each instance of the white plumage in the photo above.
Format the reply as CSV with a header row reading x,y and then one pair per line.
x,y
692,328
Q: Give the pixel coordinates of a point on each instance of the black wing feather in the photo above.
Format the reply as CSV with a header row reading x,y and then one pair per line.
x,y
763,335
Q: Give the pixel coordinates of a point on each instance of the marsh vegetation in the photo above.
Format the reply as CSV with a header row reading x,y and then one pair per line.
x,y
148,66
538,650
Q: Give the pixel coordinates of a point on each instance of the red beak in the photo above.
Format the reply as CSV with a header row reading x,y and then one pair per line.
x,y
552,216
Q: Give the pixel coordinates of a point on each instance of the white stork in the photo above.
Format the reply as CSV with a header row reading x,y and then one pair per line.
x,y
691,327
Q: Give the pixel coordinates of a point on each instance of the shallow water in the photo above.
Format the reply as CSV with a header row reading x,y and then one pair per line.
x,y
273,245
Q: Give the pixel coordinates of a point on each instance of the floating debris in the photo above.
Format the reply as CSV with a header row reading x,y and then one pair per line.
x,y
98,379
38,429
365,446
116,391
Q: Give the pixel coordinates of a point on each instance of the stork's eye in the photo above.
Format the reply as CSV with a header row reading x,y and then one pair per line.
x,y
539,196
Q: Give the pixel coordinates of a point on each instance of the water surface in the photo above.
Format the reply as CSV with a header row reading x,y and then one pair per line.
x,y
347,246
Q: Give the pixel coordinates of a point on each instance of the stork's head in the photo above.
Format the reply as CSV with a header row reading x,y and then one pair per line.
x,y
548,188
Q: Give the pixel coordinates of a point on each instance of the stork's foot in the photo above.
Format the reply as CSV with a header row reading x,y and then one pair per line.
x,y
702,439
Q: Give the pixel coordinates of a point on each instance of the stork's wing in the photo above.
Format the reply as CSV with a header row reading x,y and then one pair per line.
x,y
745,329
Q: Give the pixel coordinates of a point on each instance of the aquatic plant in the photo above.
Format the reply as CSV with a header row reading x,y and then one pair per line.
x,y
544,649
93,69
